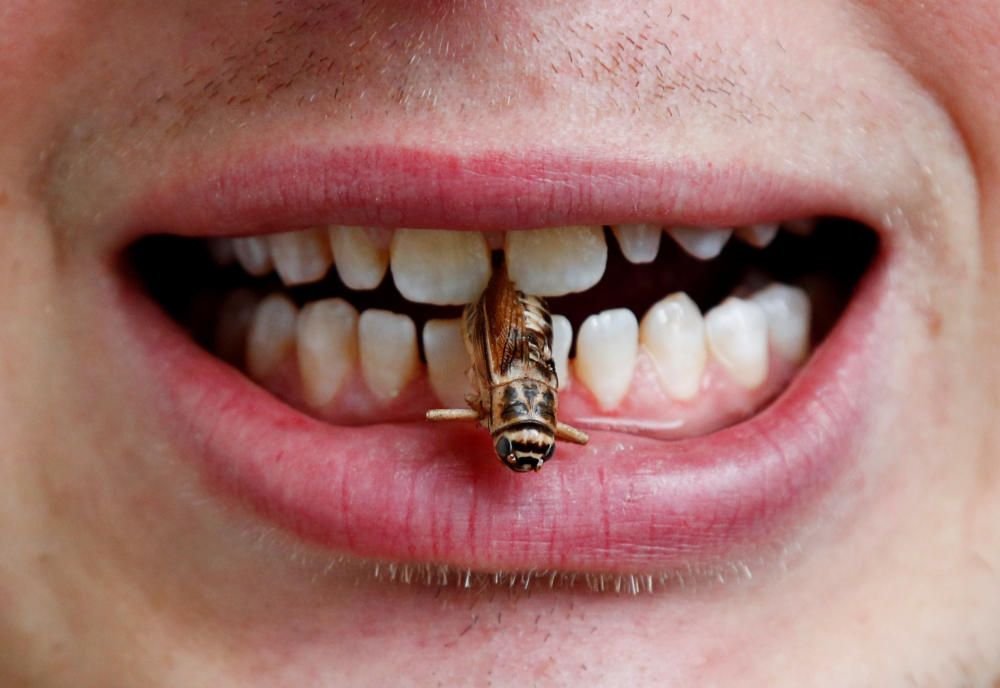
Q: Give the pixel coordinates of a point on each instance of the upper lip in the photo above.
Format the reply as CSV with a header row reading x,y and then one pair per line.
x,y
386,186
418,493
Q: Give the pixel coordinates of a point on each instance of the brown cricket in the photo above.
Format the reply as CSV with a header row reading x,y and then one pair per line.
x,y
508,336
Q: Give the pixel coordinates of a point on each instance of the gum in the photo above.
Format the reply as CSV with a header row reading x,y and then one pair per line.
x,y
646,410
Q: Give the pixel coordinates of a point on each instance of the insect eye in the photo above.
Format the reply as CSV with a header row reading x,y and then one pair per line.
x,y
504,447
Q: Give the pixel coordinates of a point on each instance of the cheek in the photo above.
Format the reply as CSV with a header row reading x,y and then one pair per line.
x,y
43,40
953,50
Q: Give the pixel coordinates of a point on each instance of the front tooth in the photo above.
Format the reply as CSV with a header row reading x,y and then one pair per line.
x,y
301,257
361,262
673,332
554,262
758,236
272,335
254,255
327,348
703,243
788,313
737,337
562,339
639,243
606,350
440,267
447,361
387,344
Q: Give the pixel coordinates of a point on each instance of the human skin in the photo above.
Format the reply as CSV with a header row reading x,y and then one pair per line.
x,y
122,566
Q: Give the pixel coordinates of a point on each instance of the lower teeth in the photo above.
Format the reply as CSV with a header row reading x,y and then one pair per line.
x,y
355,357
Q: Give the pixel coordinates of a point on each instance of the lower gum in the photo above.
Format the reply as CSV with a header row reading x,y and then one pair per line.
x,y
646,410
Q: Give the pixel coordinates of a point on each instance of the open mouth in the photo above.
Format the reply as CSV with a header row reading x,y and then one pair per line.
x,y
722,372
659,332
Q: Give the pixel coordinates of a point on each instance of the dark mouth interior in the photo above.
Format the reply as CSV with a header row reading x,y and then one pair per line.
x,y
181,276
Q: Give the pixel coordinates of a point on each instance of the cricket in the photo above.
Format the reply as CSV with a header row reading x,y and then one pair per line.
x,y
508,336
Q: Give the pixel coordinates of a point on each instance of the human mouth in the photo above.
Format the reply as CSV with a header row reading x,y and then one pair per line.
x,y
687,350
362,325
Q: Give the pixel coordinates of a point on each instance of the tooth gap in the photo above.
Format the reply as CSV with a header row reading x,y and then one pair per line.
x,y
826,257
836,252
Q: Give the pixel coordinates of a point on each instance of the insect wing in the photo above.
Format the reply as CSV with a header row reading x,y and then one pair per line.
x,y
494,327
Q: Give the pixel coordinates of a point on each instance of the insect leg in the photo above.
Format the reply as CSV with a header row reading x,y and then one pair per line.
x,y
568,433
452,414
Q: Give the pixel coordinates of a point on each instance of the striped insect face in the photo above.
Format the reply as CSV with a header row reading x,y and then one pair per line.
x,y
523,424
525,447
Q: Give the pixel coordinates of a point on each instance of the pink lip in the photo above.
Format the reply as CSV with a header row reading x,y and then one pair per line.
x,y
392,187
416,492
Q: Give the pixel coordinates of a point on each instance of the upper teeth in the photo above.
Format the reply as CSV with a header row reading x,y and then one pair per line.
x,y
554,262
254,255
361,262
301,257
452,267
332,343
758,235
435,266
639,243
704,243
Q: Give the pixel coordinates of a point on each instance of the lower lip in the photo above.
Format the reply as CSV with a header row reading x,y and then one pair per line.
x,y
422,492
